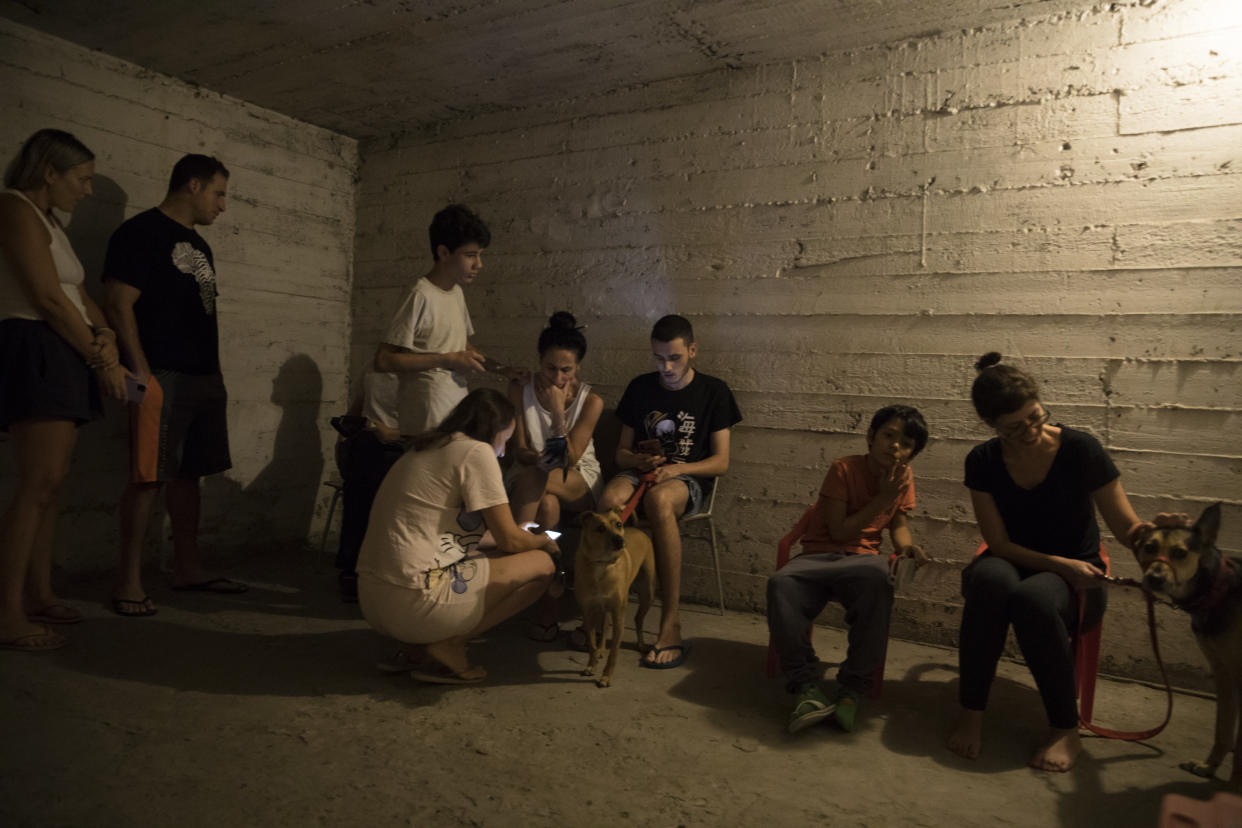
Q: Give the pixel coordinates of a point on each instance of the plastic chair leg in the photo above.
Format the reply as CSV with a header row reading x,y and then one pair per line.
x,y
327,524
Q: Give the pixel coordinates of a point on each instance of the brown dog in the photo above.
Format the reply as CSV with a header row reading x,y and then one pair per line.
x,y
611,557
1185,565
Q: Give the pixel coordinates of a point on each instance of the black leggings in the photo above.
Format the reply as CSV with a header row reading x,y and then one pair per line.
x,y
1043,609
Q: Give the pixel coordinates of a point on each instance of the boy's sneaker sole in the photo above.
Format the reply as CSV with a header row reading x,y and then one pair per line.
x,y
801,721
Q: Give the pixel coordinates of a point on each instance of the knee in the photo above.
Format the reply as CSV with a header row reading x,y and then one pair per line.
x,y
545,568
659,506
549,504
779,585
1032,606
43,486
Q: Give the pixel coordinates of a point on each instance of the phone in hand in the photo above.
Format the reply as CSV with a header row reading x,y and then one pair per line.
x,y
651,447
536,529
135,391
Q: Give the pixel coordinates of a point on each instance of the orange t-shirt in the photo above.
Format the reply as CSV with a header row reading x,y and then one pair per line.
x,y
847,480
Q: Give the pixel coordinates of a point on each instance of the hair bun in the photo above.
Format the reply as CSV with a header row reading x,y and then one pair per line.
x,y
562,319
988,360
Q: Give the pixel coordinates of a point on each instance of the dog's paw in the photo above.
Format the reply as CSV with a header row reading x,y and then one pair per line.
x,y
588,671
603,681
1199,769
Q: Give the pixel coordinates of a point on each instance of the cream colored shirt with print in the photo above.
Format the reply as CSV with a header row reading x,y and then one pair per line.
x,y
429,321
428,511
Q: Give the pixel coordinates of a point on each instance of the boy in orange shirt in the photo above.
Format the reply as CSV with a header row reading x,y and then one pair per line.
x,y
862,495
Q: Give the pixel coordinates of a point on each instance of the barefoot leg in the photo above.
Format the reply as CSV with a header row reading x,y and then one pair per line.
x,y
1060,751
966,737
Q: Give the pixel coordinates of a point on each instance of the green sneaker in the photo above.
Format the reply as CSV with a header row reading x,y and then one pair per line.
x,y
846,709
812,707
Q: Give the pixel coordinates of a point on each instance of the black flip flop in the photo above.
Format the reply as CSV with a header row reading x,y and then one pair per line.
x,y
684,646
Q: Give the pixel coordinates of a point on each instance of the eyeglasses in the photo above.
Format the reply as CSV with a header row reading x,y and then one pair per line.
x,y
1018,429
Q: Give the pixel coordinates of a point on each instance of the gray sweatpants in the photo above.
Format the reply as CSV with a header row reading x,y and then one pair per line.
x,y
799,591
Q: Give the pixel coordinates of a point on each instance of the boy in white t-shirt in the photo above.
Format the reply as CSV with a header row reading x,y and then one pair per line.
x,y
427,343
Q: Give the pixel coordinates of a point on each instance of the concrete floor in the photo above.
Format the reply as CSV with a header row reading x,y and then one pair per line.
x,y
265,709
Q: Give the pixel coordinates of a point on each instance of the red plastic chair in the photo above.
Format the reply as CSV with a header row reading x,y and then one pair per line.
x,y
1086,651
782,557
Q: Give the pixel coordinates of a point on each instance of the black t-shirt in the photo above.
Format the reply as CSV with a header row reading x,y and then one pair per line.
x,y
683,420
1056,517
176,313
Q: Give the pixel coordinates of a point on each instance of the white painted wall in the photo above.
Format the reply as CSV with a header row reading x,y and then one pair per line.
x,y
283,252
854,230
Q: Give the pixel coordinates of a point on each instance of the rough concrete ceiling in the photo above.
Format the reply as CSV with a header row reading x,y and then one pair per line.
x,y
372,67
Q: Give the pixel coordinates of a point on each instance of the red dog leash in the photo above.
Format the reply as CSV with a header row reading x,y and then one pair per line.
x,y
1132,735
644,484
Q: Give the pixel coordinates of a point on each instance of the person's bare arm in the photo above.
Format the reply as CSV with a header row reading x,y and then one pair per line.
x,y
626,458
844,528
715,464
1115,507
510,537
580,435
393,359
119,299
519,444
992,526
903,539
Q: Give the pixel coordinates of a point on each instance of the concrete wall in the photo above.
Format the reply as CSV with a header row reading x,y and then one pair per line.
x,y
856,229
283,252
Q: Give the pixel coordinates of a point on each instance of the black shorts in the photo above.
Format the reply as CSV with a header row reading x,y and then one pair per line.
x,y
180,429
42,377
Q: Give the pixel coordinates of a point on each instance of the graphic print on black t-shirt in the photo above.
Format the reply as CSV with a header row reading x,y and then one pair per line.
x,y
190,260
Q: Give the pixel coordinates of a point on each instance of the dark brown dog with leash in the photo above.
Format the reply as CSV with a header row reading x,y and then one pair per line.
x,y
611,557
1185,565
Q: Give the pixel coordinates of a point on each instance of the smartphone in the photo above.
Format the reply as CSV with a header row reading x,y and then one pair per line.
x,y
651,447
553,534
135,391
536,529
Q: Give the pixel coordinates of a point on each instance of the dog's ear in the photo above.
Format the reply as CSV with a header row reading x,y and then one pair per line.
x,y
1208,525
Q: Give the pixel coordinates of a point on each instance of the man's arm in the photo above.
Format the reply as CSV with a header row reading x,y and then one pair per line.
x,y
628,459
393,359
119,299
714,465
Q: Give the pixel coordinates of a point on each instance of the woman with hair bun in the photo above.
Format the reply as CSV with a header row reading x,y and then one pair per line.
x,y
1035,487
555,466
56,355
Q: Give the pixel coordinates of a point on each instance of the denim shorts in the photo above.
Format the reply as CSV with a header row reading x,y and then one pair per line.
x,y
694,504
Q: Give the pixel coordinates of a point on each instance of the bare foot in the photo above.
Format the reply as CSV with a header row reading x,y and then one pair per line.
x,y
452,654
667,646
966,737
1059,752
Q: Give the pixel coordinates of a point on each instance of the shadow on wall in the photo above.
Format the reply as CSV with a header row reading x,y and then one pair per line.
x,y
92,225
277,506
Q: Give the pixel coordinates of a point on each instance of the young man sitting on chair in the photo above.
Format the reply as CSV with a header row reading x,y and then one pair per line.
x,y
675,423
862,495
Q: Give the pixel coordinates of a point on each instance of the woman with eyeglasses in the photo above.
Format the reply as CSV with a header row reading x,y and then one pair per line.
x,y
1035,487
421,579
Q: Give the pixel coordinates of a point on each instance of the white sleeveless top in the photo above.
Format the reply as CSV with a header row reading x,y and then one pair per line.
x,y
14,303
539,422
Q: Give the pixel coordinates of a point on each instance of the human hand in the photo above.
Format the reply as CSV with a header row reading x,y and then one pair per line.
x,y
648,462
554,551
103,353
550,396
914,551
664,472
468,361
112,380
1080,574
893,482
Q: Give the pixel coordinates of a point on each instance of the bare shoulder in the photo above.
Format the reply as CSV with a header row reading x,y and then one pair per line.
x,y
18,220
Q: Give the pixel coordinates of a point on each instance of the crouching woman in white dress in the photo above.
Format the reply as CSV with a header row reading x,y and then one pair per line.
x,y
420,577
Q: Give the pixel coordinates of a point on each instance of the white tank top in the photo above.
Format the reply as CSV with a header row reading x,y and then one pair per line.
x,y
539,424
14,303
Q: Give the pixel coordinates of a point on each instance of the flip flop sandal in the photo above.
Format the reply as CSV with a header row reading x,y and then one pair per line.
x,y
142,608
684,646
437,673
543,632
36,642
55,614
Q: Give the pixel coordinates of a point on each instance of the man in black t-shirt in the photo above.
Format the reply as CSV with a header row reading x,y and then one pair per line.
x,y
675,423
160,297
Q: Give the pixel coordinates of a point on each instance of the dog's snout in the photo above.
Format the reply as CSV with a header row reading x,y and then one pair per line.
x,y
1155,578
618,542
